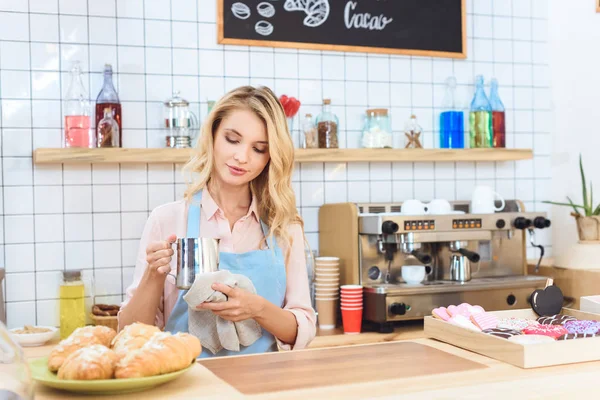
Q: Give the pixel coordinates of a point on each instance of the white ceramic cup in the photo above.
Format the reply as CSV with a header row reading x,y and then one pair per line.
x,y
413,273
413,207
439,207
482,200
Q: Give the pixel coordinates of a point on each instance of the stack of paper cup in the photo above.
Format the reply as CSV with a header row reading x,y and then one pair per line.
x,y
352,308
327,290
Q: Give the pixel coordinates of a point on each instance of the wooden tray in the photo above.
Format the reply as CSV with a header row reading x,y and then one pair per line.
x,y
312,368
524,356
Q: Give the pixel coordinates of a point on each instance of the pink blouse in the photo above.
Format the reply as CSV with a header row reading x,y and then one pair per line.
x,y
247,235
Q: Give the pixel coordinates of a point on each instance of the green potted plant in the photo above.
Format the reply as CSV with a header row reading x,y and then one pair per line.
x,y
586,215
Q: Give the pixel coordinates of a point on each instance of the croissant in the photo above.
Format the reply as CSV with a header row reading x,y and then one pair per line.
x,y
132,337
162,354
88,363
81,337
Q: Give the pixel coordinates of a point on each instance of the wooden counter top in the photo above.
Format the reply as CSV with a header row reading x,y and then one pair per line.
x,y
495,380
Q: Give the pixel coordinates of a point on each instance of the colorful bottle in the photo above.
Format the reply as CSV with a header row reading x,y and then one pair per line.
x,y
452,127
76,108
480,118
107,131
498,116
108,98
72,303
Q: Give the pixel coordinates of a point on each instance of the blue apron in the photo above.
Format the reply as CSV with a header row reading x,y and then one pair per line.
x,y
265,268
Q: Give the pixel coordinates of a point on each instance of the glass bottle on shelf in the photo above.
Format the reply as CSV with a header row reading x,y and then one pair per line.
x,y
498,116
108,98
327,127
309,130
72,303
377,133
480,118
107,132
451,119
76,106
412,134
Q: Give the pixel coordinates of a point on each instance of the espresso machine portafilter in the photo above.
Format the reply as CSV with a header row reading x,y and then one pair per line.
x,y
391,242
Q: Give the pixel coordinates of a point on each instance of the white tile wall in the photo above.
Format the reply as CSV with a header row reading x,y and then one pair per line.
x,y
90,217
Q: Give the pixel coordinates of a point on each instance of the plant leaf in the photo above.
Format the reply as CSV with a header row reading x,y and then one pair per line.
x,y
570,204
597,210
586,207
557,203
591,198
575,206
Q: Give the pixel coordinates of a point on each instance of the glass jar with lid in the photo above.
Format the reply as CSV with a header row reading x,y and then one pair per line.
x,y
180,121
377,133
327,127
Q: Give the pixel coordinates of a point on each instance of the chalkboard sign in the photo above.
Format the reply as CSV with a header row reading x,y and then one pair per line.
x,y
417,27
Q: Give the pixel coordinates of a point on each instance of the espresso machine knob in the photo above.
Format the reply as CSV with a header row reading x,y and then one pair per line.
x,y
389,227
522,223
398,308
541,222
500,224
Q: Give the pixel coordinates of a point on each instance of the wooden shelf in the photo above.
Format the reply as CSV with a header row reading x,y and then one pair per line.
x,y
125,155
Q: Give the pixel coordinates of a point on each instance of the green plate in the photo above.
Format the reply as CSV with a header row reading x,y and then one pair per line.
x,y
40,372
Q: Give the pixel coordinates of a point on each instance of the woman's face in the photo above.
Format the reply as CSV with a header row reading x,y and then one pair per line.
x,y
241,148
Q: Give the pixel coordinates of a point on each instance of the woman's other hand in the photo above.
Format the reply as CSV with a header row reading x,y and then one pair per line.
x,y
158,256
240,304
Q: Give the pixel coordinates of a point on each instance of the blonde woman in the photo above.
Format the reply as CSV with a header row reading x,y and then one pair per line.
x,y
241,194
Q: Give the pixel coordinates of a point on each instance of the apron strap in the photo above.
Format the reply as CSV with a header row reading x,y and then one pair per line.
x,y
193,219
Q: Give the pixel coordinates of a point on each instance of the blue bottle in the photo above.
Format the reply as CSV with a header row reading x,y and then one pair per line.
x,y
451,119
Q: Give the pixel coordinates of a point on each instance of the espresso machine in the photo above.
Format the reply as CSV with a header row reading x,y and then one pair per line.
x,y
474,258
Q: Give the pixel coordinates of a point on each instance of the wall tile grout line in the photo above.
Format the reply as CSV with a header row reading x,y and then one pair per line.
x,y
35,276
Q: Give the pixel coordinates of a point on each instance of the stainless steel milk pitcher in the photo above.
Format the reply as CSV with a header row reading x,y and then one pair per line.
x,y
460,268
195,256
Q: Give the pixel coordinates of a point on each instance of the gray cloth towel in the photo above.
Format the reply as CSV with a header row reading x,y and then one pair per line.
x,y
214,332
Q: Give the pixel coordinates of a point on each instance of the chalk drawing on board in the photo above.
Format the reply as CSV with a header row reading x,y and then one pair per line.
x,y
265,9
317,11
240,10
263,28
294,5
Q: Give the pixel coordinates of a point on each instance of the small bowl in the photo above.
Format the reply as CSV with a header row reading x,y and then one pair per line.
x,y
34,339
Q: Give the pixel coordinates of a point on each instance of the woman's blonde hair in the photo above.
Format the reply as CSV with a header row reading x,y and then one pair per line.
x,y
274,196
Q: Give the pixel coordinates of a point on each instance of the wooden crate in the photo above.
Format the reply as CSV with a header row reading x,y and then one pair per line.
x,y
524,356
